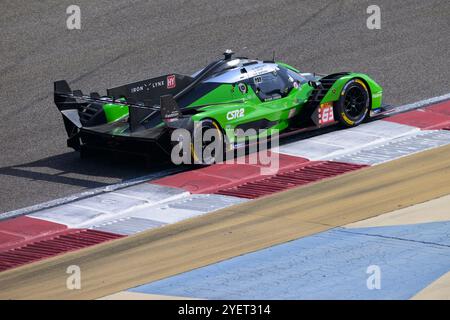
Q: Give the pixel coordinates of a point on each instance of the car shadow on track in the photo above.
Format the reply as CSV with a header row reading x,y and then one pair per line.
x,y
92,171
101,169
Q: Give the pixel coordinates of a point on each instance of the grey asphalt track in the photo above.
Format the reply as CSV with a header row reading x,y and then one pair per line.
x,y
123,41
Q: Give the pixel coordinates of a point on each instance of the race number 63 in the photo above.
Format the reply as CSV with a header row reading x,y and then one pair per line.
x,y
326,114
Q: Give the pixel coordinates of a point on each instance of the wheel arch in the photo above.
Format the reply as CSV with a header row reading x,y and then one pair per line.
x,y
373,89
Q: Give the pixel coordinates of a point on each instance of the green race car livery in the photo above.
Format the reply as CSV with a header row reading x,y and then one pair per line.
x,y
227,95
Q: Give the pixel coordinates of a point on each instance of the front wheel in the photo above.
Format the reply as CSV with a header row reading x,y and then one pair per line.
x,y
353,105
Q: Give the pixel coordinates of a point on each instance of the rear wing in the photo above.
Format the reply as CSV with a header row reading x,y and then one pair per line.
x,y
65,98
149,91
70,103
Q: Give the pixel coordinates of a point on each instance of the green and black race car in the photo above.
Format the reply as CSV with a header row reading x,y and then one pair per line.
x,y
227,95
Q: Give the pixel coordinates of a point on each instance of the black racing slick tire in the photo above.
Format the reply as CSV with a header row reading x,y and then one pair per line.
x,y
353,105
199,145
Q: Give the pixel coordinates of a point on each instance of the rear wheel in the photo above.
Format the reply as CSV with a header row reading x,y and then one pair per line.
x,y
200,143
353,105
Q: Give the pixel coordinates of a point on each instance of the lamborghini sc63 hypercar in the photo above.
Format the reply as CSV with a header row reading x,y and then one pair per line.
x,y
227,95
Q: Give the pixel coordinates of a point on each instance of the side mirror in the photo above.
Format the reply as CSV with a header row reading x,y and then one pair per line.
x,y
314,84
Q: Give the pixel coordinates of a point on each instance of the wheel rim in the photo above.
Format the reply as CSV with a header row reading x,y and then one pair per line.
x,y
355,102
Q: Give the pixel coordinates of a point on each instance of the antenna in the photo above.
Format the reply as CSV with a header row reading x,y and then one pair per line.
x,y
228,54
273,56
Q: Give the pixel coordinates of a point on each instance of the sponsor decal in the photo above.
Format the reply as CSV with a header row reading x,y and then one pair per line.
x,y
171,117
257,80
261,69
152,85
171,82
137,89
242,88
157,84
274,97
235,114
325,113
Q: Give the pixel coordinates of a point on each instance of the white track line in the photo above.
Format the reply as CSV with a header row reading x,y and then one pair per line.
x,y
86,194
421,103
